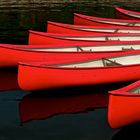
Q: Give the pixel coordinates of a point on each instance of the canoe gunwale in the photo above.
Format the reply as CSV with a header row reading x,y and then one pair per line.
x,y
81,27
36,51
106,35
91,18
54,66
125,91
128,12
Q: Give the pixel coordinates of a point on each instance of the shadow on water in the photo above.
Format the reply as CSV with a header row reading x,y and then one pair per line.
x,y
130,132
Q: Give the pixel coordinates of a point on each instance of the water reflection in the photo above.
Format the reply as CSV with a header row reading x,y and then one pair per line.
x,y
8,79
45,104
42,107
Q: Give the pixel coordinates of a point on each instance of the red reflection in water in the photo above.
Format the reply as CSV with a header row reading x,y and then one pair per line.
x,y
8,79
44,104
36,107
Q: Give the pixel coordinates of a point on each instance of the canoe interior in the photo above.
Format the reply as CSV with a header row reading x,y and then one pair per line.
x,y
99,29
93,48
117,23
133,15
135,90
104,38
105,62
111,30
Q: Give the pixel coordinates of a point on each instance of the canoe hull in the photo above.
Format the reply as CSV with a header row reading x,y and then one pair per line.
x,y
16,55
40,38
123,110
83,21
126,14
80,19
49,77
123,16
55,27
35,38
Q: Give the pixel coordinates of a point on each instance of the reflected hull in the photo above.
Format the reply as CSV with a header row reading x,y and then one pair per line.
x,y
37,107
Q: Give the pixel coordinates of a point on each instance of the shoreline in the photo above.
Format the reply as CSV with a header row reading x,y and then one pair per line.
x,y
52,3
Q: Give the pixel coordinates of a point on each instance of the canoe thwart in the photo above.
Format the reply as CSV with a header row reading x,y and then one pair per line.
x,y
108,62
131,48
116,30
79,49
131,24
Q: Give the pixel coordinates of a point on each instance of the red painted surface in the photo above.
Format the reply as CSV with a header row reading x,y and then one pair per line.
x,y
80,19
43,107
23,53
62,28
11,55
123,13
124,106
55,27
54,77
40,38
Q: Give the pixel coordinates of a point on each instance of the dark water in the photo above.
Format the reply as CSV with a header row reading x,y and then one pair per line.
x,y
65,114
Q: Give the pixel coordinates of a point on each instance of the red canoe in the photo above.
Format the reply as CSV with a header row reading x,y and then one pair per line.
x,y
80,46
80,19
53,55
54,27
127,14
124,105
40,107
108,69
100,46
38,38
61,52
